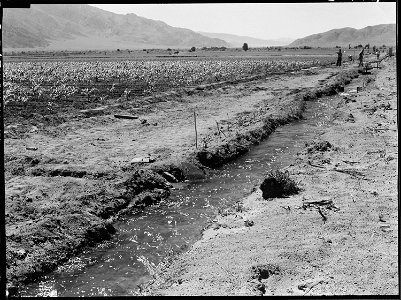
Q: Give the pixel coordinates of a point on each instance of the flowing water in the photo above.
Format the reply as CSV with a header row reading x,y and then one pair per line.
x,y
143,239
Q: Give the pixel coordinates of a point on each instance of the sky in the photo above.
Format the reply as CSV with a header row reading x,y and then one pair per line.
x,y
263,20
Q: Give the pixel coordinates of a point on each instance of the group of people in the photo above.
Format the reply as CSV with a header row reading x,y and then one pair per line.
x,y
360,57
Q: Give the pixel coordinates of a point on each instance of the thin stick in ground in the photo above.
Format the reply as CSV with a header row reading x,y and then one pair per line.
x,y
196,132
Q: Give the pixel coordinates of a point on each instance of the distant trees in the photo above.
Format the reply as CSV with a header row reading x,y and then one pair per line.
x,y
193,49
245,47
214,48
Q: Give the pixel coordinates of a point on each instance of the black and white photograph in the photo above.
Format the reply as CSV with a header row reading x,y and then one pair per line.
x,y
200,149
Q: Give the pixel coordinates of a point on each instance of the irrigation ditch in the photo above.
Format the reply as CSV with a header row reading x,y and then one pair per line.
x,y
53,240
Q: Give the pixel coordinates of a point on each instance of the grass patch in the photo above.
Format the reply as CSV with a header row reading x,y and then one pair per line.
x,y
278,184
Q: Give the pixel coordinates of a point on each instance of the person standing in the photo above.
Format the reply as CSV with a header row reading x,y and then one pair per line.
x,y
339,57
361,59
378,54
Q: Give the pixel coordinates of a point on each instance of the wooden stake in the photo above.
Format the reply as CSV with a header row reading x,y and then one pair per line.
x,y
196,132
321,213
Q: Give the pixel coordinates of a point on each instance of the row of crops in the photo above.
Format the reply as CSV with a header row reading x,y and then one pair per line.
x,y
97,80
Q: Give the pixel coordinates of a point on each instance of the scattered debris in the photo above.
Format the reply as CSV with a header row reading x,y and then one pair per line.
x,y
261,272
350,118
385,228
308,286
288,208
261,287
169,177
248,223
146,159
32,148
351,172
381,218
94,111
328,204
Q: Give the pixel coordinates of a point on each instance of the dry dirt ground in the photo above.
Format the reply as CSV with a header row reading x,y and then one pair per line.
x,y
338,236
66,182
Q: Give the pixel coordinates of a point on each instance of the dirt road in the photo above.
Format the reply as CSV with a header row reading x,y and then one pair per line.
x,y
339,236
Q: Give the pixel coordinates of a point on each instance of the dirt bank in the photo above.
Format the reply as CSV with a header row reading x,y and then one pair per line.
x,y
66,182
338,236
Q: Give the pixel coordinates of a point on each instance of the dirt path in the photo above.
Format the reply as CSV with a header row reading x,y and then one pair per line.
x,y
346,244
66,184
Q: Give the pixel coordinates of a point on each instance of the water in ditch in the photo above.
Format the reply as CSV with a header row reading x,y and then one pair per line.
x,y
143,239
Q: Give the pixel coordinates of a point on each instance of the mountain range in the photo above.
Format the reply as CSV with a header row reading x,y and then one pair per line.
x,y
83,27
384,34
79,26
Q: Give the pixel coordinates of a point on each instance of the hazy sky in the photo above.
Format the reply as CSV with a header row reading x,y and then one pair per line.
x,y
263,20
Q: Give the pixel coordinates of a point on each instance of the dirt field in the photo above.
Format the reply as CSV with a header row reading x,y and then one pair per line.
x,y
66,184
339,236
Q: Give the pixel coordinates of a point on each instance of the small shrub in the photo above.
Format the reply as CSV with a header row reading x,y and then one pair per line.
x,y
278,184
321,146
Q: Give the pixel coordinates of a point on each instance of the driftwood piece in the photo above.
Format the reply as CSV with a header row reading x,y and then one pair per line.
x,y
125,117
316,166
353,173
329,204
308,286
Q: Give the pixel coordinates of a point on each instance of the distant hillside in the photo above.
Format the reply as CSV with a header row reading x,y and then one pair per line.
x,y
384,34
238,41
80,26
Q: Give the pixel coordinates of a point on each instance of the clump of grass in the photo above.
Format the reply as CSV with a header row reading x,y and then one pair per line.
x,y
321,146
278,184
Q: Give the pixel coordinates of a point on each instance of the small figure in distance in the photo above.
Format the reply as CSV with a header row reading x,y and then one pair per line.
x,y
378,54
339,57
361,58
350,58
